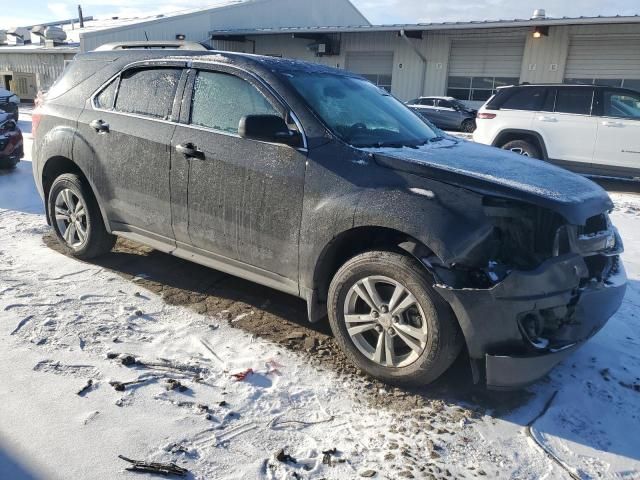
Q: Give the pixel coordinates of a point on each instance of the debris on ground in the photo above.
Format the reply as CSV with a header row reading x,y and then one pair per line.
x,y
240,376
173,384
86,389
155,467
283,457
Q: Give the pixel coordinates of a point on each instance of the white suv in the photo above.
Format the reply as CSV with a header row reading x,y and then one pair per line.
x,y
586,128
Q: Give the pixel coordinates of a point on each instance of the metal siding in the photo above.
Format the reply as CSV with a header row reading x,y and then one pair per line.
x,y
490,57
545,57
597,57
265,13
46,66
370,63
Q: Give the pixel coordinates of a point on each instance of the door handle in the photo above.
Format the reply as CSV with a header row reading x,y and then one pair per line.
x,y
189,150
544,118
99,126
608,123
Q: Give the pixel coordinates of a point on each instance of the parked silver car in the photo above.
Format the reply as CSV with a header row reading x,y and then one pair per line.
x,y
446,113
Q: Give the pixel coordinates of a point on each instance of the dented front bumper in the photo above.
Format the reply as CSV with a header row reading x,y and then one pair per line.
x,y
557,294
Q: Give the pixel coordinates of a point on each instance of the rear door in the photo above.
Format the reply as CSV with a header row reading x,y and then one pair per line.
x,y
618,141
129,129
567,125
244,196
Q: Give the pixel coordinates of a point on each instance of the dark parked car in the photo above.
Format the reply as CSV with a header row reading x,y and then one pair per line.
x,y
315,182
11,146
9,103
446,113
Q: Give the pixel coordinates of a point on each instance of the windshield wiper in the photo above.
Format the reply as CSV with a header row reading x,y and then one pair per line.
x,y
383,145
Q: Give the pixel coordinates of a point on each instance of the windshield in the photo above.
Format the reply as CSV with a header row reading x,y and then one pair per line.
x,y
360,113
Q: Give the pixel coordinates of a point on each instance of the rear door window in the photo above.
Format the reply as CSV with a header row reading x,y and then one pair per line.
x,y
220,100
445,104
577,101
149,92
427,102
529,99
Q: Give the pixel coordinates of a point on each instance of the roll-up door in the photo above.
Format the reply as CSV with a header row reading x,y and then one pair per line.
x,y
486,57
375,66
477,67
613,61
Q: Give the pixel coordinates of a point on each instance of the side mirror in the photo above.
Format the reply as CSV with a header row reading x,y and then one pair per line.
x,y
268,128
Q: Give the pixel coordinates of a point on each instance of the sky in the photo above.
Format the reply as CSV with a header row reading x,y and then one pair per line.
x,y
377,11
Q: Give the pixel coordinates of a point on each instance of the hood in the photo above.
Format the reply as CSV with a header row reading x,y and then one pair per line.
x,y
492,171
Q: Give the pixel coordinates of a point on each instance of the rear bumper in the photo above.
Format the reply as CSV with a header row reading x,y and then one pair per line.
x,y
556,295
11,146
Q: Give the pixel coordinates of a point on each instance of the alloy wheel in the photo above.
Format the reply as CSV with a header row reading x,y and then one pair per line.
x,y
520,151
71,218
385,321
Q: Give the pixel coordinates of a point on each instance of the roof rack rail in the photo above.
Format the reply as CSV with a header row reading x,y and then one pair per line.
x,y
152,45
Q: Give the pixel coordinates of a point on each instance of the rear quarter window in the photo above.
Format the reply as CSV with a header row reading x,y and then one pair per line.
x,y
106,97
529,99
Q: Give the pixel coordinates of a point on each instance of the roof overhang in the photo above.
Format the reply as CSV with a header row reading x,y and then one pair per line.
x,y
426,27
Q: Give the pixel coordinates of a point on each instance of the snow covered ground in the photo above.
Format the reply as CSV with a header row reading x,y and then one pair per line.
x,y
62,323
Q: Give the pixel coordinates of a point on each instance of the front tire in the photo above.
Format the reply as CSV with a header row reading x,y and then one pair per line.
x,y
524,148
76,218
468,126
387,318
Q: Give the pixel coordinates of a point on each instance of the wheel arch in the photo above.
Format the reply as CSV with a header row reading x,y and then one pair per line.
x,y
348,244
511,134
58,165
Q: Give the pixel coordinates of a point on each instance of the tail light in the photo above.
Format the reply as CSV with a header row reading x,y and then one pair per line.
x,y
36,115
35,120
487,116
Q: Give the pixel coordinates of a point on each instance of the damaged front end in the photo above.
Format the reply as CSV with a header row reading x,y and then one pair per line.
x,y
533,291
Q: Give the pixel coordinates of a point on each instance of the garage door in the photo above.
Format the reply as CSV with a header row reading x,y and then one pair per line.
x,y
477,67
611,61
375,66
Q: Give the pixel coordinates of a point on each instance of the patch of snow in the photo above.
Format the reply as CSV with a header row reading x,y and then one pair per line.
x,y
60,318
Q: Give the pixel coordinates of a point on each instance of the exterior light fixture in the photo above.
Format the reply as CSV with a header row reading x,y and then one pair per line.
x,y
180,36
539,32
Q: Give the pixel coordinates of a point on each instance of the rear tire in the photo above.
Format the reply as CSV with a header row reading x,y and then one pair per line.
x,y
76,218
524,148
410,339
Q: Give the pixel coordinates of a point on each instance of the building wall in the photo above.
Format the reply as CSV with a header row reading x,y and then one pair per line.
x,y
254,14
46,67
544,59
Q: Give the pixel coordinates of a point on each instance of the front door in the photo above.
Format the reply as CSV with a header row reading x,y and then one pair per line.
x,y
618,141
568,127
244,196
130,136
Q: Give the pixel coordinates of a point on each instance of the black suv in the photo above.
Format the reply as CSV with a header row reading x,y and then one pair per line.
x,y
315,182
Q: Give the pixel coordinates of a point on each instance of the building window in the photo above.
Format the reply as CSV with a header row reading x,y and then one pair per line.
x,y
633,84
478,89
382,81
